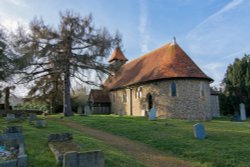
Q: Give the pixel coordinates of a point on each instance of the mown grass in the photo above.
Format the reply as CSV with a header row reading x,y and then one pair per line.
x,y
227,143
39,154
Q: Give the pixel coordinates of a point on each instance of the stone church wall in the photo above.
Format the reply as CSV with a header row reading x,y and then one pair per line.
x,y
192,100
215,107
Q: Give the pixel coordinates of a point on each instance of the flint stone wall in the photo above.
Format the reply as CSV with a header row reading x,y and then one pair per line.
x,y
189,103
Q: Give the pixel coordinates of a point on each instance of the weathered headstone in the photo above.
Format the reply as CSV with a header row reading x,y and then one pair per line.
x,y
236,117
13,138
13,129
87,110
83,159
152,114
60,137
70,159
79,109
40,123
143,113
32,117
242,112
10,117
199,131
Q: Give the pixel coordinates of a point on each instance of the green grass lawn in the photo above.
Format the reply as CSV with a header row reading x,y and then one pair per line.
x,y
227,143
39,154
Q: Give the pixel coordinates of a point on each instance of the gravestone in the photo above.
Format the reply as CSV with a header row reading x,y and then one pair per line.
x,y
236,117
152,114
32,117
242,112
13,129
40,123
79,109
143,113
12,138
10,117
87,110
199,131
83,159
56,137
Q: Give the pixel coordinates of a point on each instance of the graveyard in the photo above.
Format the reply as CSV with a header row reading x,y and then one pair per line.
x,y
226,142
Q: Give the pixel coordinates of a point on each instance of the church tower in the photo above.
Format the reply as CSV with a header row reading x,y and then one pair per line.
x,y
117,59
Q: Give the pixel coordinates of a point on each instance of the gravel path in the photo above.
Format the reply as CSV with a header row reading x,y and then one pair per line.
x,y
141,152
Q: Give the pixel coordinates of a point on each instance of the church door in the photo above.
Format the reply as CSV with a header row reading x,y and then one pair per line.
x,y
150,101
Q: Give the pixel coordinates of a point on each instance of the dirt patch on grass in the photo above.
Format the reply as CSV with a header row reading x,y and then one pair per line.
x,y
141,152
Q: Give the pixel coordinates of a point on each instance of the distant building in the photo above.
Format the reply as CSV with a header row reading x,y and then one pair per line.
x,y
215,106
14,101
99,102
166,79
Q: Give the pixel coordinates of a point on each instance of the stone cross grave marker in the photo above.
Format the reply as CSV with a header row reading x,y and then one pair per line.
x,y
199,131
152,114
242,112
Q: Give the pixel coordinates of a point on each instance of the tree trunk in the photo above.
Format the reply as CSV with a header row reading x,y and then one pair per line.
x,y
6,100
67,110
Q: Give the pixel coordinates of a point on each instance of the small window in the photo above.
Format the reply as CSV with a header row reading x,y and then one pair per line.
x,y
138,93
124,96
173,89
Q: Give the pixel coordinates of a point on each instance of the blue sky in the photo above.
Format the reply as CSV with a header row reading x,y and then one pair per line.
x,y
212,32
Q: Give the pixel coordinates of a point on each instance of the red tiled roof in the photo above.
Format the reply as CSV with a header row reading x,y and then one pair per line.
x,y
99,96
117,55
168,61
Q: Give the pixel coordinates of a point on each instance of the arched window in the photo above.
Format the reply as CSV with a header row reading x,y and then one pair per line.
x,y
150,101
173,89
138,93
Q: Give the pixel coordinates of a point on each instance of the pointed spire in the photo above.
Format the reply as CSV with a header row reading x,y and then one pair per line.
x,y
117,55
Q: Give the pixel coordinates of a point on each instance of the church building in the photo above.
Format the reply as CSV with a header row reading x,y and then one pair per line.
x,y
165,79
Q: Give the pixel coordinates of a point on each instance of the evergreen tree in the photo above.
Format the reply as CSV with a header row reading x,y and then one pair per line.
x,y
7,68
6,58
237,83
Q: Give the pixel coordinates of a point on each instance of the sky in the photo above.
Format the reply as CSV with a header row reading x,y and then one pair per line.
x,y
212,32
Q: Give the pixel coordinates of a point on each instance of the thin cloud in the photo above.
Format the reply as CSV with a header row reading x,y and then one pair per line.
x,y
214,70
226,8
220,38
20,3
143,27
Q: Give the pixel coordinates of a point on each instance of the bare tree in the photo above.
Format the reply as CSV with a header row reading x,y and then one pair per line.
x,y
72,50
